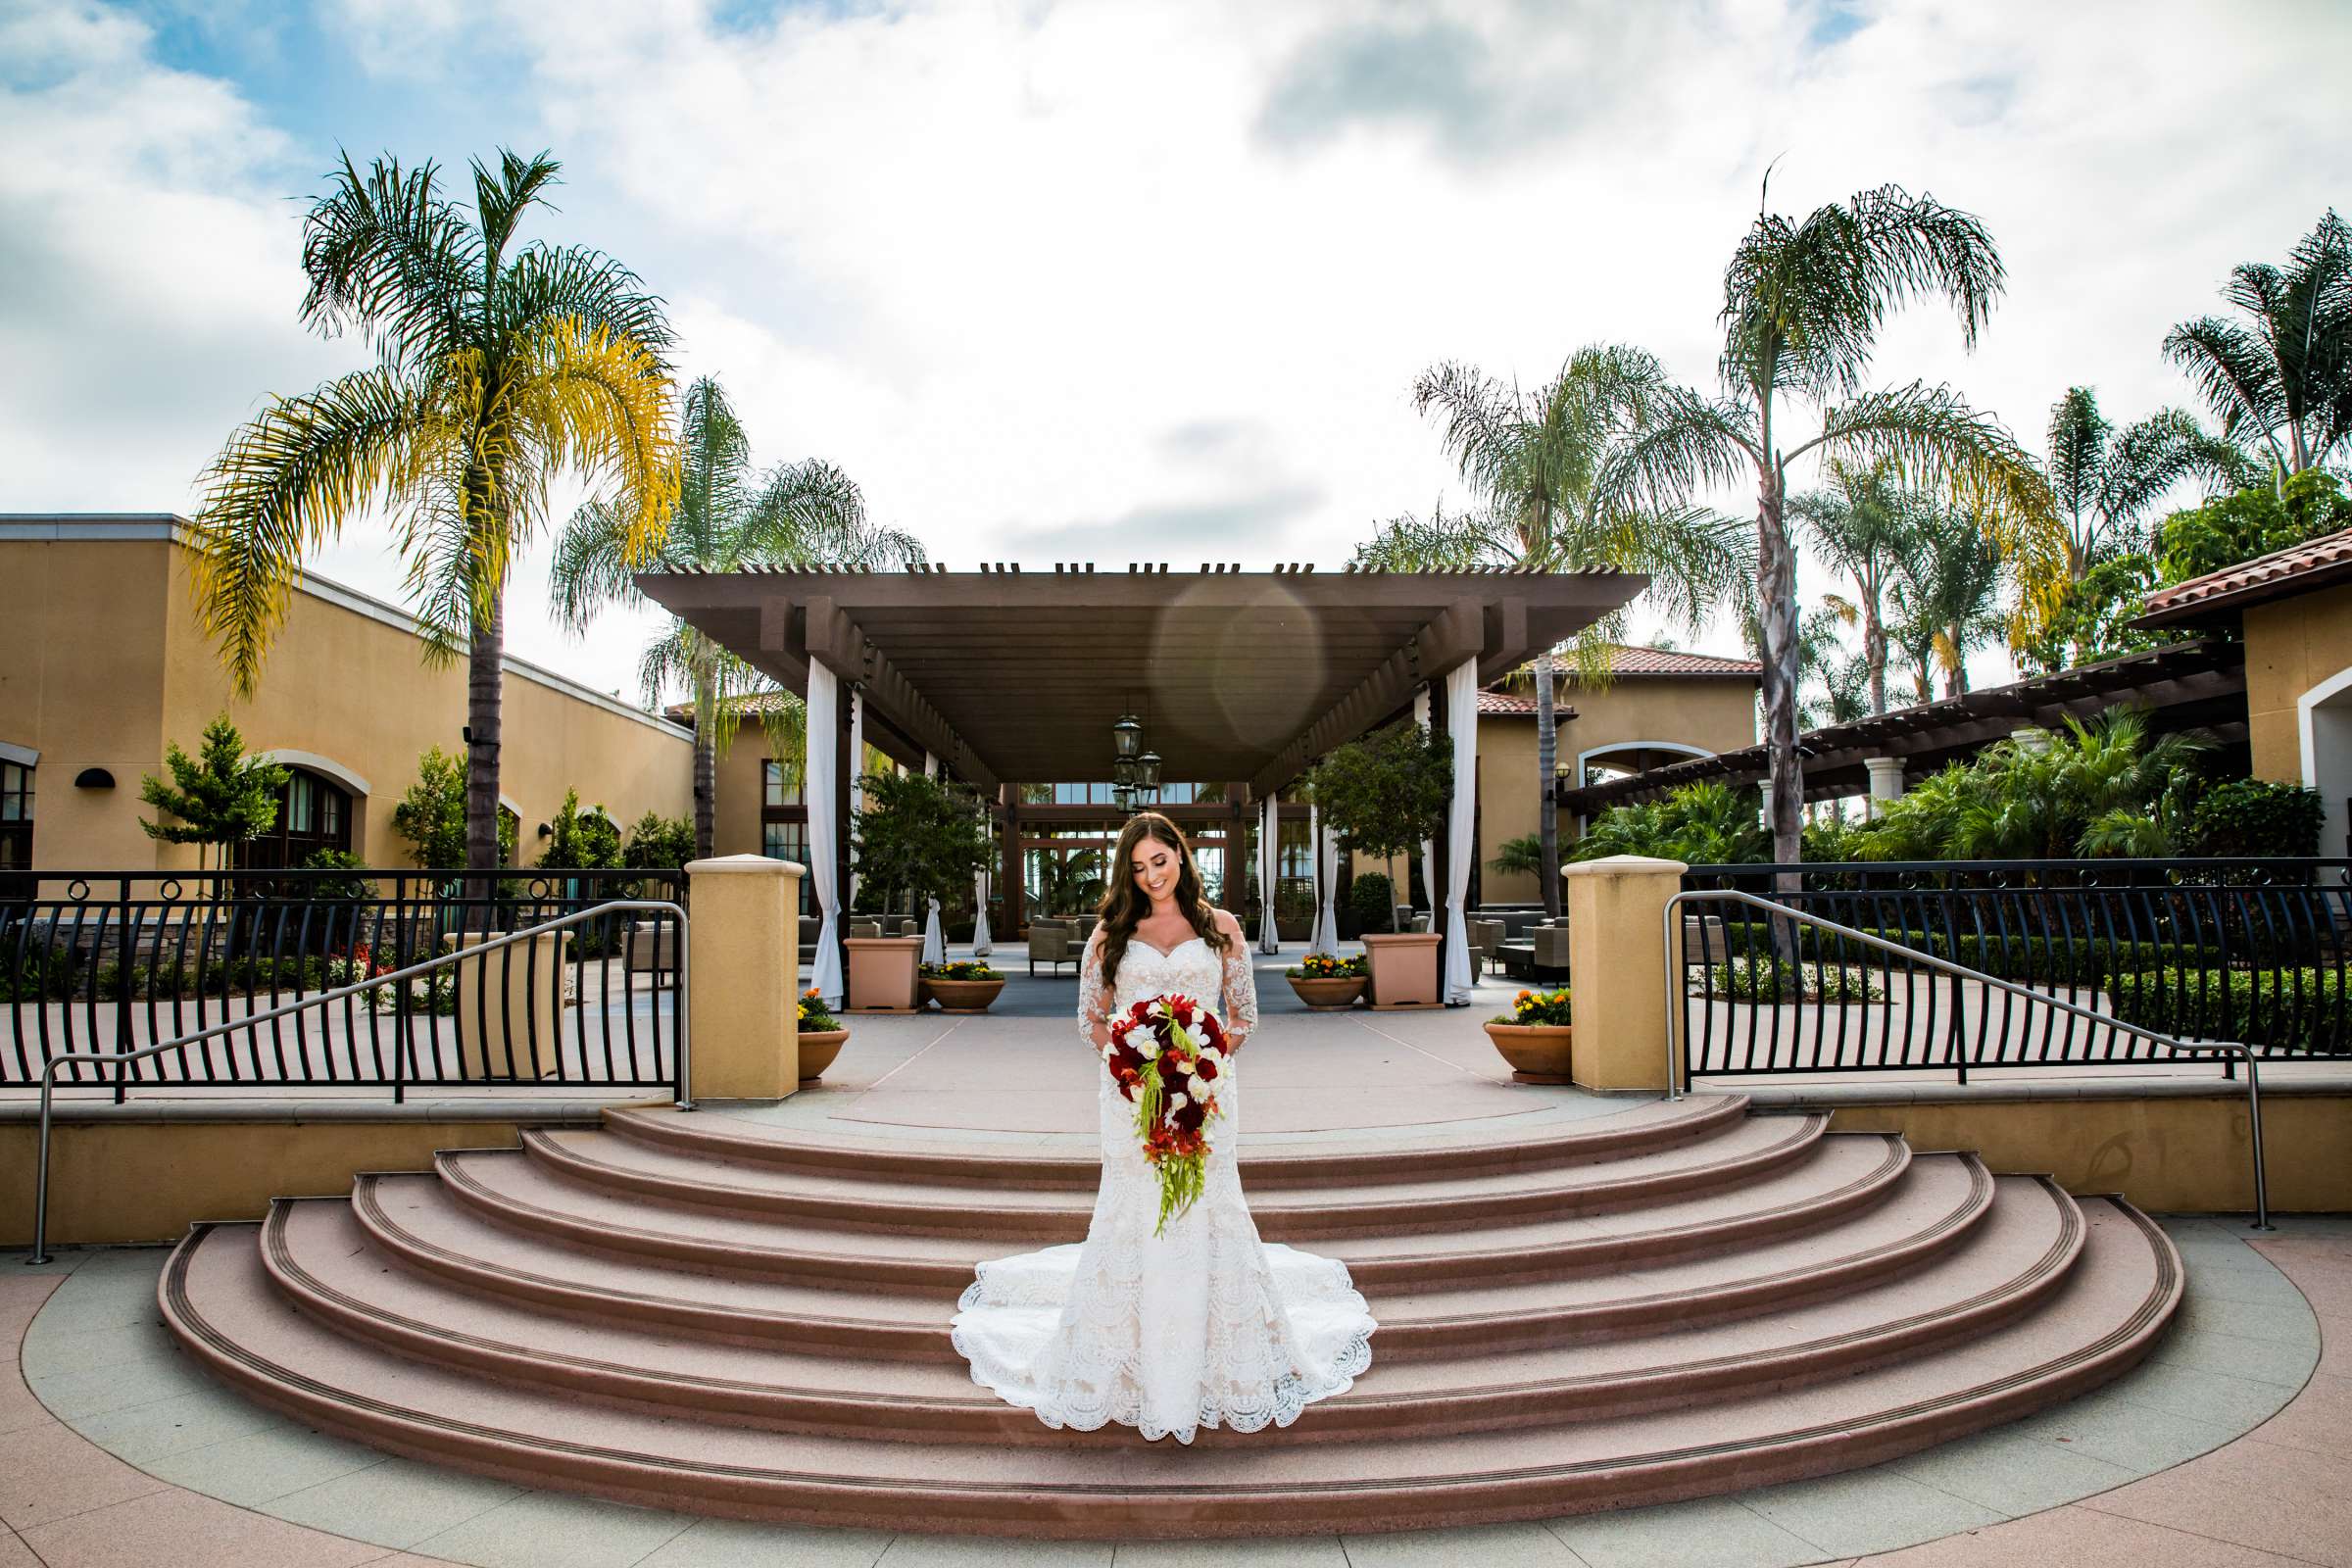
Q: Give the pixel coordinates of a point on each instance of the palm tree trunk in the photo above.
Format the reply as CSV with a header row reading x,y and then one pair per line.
x,y
1775,586
706,764
1955,679
1548,815
484,662
1874,651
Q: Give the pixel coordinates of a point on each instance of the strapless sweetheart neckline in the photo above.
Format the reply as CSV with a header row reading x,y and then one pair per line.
x,y
1165,953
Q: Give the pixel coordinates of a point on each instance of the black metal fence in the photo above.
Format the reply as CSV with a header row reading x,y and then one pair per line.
x,y
110,962
2256,952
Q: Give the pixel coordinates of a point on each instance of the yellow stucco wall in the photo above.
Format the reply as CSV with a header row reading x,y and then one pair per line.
x,y
104,664
2291,646
2186,1154
1714,715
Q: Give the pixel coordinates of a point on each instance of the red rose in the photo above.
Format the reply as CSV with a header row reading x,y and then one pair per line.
x,y
1207,1068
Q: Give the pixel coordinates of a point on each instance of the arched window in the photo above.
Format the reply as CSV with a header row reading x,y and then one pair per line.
x,y
314,814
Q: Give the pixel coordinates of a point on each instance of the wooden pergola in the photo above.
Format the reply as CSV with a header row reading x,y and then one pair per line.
x,y
1010,676
2194,686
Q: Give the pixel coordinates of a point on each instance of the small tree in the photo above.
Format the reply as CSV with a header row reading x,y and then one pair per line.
x,y
432,816
223,798
1385,793
917,837
660,843
584,837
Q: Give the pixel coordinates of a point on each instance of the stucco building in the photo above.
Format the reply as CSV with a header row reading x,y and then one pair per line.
x,y
102,665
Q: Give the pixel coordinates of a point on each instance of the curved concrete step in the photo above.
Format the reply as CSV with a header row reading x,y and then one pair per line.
x,y
1834,1178
1932,1205
317,1254
2103,1316
1739,1152
732,1139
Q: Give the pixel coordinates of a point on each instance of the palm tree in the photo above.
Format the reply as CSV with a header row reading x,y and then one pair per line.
x,y
800,514
1540,465
2102,482
1802,307
497,369
1947,600
1864,527
2287,378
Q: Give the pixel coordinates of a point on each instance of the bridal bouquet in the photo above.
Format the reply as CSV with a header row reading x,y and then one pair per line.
x,y
1167,1054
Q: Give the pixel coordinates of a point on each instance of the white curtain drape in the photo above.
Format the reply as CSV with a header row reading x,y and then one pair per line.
x,y
1429,853
1326,849
1268,857
824,719
857,782
935,948
930,766
982,942
1461,721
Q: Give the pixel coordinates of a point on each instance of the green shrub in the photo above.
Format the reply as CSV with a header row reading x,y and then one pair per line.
x,y
2252,816
1771,979
1373,897
660,843
2077,960
2299,1009
339,888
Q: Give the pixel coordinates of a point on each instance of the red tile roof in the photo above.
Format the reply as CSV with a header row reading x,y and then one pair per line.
x,y
2296,569
1637,661
1518,704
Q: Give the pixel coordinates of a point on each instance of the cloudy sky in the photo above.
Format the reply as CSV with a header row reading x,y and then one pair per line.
x,y
1122,279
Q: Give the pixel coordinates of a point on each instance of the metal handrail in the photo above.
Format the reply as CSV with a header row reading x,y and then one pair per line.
x,y
479,951
1677,984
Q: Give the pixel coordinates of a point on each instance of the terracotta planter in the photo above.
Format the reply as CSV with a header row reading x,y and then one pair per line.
x,y
1403,968
1537,1051
962,995
818,1048
1329,992
883,971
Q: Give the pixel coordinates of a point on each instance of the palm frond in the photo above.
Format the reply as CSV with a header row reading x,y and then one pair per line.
x,y
603,406
281,486
500,199
2232,372
386,255
591,570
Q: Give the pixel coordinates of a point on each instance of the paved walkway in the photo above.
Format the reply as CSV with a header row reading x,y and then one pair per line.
x,y
2225,1450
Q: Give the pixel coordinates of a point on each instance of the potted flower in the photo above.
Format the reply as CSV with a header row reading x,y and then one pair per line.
x,y
962,985
821,1036
1327,982
1534,1039
1382,795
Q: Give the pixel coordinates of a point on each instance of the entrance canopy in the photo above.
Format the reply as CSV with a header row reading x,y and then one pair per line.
x,y
1017,676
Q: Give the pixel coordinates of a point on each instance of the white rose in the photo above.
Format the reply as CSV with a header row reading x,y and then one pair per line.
x,y
1198,1086
1177,1101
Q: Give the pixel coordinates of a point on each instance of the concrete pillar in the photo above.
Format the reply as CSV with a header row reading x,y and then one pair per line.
x,y
1766,787
744,952
1617,969
1886,782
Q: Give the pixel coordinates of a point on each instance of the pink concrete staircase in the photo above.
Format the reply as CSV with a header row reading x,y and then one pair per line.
x,y
1672,1301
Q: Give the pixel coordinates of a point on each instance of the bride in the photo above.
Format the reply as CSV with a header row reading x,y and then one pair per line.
x,y
1204,1324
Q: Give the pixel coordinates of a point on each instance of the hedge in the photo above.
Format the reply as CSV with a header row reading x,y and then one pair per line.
x,y
2296,1010
2075,960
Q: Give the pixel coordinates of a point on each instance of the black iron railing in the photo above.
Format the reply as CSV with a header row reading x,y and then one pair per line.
x,y
110,962
2253,952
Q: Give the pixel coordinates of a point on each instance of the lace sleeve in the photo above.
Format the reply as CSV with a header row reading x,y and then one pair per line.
x,y
1241,988
1094,1007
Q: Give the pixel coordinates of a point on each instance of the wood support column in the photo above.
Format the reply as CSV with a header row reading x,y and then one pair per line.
x,y
1009,870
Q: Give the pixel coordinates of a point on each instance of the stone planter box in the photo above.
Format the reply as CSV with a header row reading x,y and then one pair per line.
x,y
1537,1051
882,974
962,995
1403,967
818,1048
519,991
1328,992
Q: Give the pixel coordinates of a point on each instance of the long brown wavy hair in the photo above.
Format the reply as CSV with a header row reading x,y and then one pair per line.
x,y
1124,903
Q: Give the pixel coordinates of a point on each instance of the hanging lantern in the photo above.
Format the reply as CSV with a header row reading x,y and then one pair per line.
x,y
1147,770
1123,796
1123,772
1127,736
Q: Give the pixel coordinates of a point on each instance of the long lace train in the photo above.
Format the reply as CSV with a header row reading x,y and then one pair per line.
x,y
1205,1325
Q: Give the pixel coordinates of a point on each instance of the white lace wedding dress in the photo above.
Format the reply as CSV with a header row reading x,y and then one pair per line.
x,y
1202,1326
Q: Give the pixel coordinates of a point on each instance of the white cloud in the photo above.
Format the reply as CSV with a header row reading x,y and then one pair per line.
x,y
997,260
